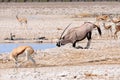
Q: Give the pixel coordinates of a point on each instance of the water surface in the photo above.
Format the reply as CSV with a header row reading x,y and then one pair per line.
x,y
8,47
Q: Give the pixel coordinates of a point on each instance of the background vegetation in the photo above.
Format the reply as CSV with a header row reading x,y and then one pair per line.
x,y
54,0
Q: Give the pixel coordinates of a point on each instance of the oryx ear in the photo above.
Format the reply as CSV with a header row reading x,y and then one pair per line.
x,y
62,38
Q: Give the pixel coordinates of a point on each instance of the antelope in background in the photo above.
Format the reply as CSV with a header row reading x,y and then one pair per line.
x,y
22,20
108,28
117,26
108,19
102,17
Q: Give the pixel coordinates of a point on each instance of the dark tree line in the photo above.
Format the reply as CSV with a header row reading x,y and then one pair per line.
x,y
54,0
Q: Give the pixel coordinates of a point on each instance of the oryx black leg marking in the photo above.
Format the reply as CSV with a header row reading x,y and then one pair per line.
x,y
74,45
89,40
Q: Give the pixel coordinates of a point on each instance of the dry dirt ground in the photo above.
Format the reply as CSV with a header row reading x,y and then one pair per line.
x,y
100,62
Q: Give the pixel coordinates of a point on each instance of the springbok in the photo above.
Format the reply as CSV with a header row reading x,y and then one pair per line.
x,y
102,17
115,21
21,20
117,26
28,50
108,28
78,34
117,29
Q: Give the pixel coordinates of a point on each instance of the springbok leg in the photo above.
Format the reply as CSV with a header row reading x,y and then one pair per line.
x,y
15,64
32,60
27,57
33,63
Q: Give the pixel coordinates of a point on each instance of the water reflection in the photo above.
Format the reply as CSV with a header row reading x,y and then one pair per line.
x,y
8,47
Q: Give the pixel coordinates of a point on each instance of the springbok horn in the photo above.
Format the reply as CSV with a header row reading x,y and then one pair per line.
x,y
64,30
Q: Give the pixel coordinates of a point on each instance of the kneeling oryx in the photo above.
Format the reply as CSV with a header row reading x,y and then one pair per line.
x,y
78,34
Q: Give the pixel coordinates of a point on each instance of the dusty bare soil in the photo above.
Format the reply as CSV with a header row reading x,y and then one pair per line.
x,y
100,62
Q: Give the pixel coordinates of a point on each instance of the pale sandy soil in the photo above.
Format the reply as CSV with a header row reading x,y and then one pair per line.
x,y
100,62
95,72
